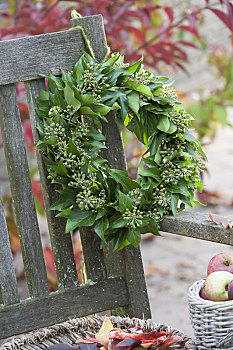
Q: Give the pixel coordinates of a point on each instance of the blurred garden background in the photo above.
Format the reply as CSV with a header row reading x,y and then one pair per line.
x,y
191,43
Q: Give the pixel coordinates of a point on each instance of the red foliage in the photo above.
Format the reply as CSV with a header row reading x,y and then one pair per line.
x,y
37,191
132,27
143,337
27,132
225,18
32,18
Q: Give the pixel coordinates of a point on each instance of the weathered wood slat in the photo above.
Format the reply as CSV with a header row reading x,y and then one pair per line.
x,y
93,255
25,58
130,259
8,284
61,243
21,190
60,306
196,225
117,262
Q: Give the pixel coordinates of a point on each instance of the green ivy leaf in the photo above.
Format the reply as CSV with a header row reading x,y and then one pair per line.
x,y
85,99
123,179
41,114
44,95
52,140
135,126
58,99
134,68
79,218
189,137
120,240
101,212
150,172
151,227
124,106
69,97
144,89
62,204
110,62
40,129
174,203
163,124
101,226
172,128
61,169
79,75
189,149
115,74
134,101
198,203
96,144
124,202
73,149
43,105
155,142
187,200
134,237
150,123
181,188
96,135
102,109
87,111
54,82
119,223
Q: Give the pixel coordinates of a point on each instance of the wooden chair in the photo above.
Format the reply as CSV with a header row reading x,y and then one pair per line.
x,y
118,277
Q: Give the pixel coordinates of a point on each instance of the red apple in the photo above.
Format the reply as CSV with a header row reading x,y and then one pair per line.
x,y
230,291
202,294
221,262
216,285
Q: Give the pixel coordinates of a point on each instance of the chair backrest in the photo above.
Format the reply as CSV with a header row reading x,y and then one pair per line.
x,y
118,277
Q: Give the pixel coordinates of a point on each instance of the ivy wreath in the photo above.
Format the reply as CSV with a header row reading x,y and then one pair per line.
x,y
73,109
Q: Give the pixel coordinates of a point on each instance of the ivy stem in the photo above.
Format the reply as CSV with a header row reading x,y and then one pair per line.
x,y
75,14
87,42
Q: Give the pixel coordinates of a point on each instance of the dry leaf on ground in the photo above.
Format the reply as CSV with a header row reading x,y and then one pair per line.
x,y
225,221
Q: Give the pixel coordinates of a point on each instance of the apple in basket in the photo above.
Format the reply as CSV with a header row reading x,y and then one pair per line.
x,y
202,293
230,291
216,285
221,262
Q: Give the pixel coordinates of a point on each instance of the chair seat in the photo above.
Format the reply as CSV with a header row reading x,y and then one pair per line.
x,y
78,328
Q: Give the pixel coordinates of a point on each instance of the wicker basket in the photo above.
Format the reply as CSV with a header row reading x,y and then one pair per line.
x,y
70,331
212,321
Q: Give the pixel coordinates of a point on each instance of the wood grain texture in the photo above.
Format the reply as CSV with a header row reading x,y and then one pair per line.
x,y
59,306
21,190
93,255
25,58
61,243
197,225
128,261
8,284
95,264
